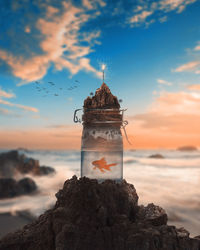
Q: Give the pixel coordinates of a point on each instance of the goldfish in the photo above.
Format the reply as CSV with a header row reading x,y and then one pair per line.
x,y
102,164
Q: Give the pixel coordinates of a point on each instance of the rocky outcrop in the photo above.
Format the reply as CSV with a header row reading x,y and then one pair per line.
x,y
11,188
106,216
187,148
103,109
12,163
103,98
157,156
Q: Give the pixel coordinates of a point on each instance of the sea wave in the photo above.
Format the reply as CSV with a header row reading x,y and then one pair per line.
x,y
172,182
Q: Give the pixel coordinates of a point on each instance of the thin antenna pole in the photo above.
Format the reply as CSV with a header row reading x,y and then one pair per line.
x,y
103,66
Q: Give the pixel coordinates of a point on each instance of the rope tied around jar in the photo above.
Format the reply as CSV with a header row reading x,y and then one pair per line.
x,y
92,118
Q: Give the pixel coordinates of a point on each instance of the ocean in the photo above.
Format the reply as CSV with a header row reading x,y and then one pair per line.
x,y
172,183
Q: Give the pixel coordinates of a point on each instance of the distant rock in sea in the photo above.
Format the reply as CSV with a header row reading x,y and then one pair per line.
x,y
13,162
129,161
187,148
157,156
10,188
100,216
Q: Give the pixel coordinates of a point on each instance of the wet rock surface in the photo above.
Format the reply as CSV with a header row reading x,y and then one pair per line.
x,y
92,216
157,156
10,188
12,163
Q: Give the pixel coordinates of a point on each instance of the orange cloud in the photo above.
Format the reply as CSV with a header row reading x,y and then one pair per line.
x,y
173,119
161,81
4,111
148,10
4,94
178,102
139,18
193,66
194,87
27,108
197,47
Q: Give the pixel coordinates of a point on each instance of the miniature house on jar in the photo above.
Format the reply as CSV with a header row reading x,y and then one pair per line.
x,y
102,144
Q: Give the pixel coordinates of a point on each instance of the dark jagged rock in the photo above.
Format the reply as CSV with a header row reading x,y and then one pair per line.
x,y
27,185
157,156
11,188
103,98
105,216
155,215
12,162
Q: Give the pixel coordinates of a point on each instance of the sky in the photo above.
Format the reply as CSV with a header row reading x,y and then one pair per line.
x,y
152,54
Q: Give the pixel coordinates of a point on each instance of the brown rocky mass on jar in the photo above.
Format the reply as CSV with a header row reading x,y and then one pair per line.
x,y
102,107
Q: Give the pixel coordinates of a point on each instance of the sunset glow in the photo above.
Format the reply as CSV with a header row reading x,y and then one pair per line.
x,y
50,63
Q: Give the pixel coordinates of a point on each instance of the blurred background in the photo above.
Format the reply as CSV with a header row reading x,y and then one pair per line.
x,y
51,54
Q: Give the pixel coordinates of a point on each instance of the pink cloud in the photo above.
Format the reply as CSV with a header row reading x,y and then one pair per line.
x,y
161,81
194,87
6,94
27,108
171,120
177,102
197,47
141,17
147,9
193,66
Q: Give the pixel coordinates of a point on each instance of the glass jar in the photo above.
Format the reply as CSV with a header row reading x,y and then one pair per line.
x,y
102,144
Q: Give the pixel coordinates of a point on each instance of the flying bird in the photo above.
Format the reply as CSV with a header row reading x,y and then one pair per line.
x,y
56,94
51,83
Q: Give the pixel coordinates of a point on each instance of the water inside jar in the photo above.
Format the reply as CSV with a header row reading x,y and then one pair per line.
x,y
102,165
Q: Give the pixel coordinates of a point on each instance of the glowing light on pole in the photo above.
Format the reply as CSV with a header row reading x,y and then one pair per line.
x,y
103,66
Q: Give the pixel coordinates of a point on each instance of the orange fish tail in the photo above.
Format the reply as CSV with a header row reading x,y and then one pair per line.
x,y
113,164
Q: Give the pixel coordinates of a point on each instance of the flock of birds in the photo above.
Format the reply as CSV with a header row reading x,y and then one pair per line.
x,y
46,90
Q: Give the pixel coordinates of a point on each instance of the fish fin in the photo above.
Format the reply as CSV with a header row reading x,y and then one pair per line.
x,y
102,171
103,160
